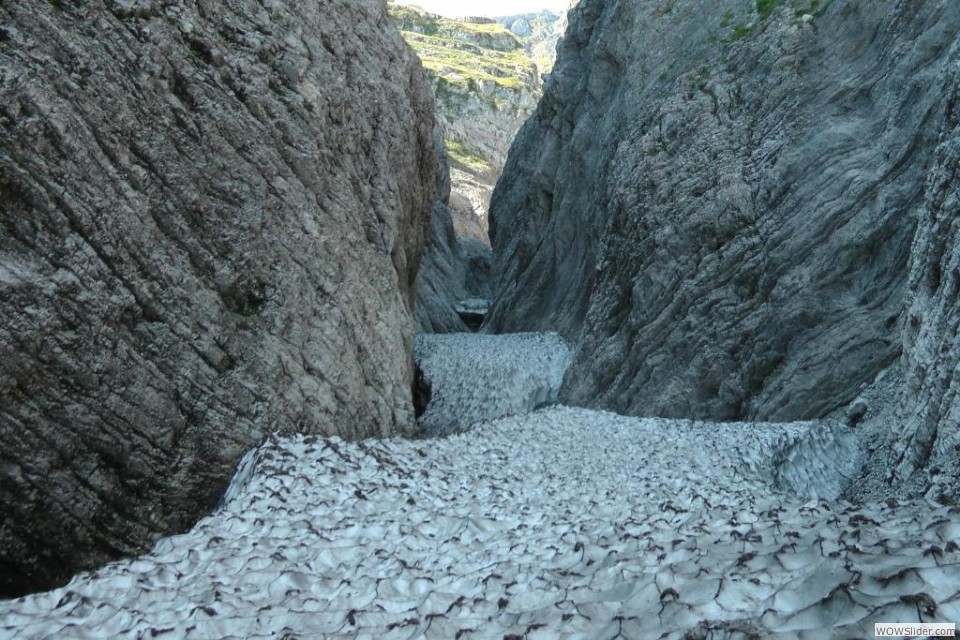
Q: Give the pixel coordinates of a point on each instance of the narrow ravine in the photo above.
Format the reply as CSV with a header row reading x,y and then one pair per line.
x,y
562,522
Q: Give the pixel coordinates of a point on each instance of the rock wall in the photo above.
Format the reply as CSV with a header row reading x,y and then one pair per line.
x,y
718,204
453,270
915,443
440,281
211,217
928,442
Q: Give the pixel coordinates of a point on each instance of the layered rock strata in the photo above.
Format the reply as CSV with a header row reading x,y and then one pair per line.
x,y
911,416
211,217
716,201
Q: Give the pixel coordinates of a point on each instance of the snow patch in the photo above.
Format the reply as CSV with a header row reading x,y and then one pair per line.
x,y
560,523
477,377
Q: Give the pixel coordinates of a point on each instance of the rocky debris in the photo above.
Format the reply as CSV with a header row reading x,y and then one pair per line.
x,y
211,215
717,204
475,377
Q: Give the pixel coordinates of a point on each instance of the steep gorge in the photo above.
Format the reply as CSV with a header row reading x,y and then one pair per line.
x,y
212,216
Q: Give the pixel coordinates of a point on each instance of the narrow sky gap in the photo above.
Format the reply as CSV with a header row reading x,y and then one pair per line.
x,y
489,8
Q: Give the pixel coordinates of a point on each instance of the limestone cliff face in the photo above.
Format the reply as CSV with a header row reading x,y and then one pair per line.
x,y
926,434
718,203
211,216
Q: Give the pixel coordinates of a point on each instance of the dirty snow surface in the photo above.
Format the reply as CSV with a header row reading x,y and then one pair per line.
x,y
477,377
561,523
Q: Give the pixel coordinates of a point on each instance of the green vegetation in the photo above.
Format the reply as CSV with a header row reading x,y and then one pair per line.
x,y
468,159
727,19
766,7
741,31
413,19
464,53
460,62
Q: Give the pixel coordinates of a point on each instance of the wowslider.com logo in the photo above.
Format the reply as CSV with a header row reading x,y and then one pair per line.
x,y
914,630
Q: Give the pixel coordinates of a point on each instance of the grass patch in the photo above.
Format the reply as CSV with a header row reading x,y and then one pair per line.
x,y
459,62
471,160
741,31
766,7
464,52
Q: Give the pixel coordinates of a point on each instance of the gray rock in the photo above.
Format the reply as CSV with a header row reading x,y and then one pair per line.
x,y
720,215
211,215
928,445
440,281
453,269
521,27
919,437
478,260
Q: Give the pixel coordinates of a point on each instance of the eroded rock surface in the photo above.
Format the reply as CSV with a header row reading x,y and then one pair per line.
x,y
718,206
929,442
211,215
916,440
453,269
442,274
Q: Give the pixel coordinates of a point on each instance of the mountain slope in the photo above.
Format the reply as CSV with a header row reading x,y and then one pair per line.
x,y
486,86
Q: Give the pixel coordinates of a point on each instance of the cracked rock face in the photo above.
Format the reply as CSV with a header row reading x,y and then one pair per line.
x,y
211,215
721,215
924,445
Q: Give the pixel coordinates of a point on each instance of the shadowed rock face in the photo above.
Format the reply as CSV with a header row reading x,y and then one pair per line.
x,y
440,280
211,216
927,442
453,269
722,216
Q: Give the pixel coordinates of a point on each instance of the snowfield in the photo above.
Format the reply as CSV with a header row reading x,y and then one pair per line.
x,y
563,523
476,377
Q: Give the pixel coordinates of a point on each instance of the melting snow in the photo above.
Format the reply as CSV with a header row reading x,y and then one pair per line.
x,y
477,377
561,523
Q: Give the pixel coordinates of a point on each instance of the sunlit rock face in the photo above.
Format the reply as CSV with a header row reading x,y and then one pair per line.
x,y
487,83
211,217
718,205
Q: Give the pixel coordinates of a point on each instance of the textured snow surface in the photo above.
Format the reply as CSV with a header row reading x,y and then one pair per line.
x,y
561,523
477,377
